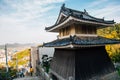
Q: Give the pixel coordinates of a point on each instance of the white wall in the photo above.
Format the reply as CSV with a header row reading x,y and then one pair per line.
x,y
45,51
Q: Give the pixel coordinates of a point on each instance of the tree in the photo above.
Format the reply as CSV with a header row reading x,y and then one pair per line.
x,y
46,62
112,33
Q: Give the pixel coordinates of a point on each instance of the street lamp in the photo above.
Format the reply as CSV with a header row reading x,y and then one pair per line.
x,y
16,61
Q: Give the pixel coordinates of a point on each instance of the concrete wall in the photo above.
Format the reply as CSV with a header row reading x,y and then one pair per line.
x,y
34,57
45,51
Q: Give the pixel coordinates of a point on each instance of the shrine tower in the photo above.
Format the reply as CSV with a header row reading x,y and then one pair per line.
x,y
79,52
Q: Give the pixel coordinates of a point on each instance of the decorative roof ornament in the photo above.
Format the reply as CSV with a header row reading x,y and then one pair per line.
x,y
63,6
113,20
103,18
85,11
71,13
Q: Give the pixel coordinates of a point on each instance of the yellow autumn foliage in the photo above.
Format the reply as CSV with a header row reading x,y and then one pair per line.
x,y
112,33
20,58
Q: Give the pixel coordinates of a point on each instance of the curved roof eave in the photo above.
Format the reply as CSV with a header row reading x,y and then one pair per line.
x,y
54,27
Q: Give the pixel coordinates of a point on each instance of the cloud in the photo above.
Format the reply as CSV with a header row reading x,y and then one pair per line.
x,y
29,9
109,12
97,2
25,20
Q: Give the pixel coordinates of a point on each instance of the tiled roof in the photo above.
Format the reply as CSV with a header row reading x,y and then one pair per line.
x,y
81,41
83,15
80,16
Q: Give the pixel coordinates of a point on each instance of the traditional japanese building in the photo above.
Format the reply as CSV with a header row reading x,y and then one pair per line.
x,y
79,52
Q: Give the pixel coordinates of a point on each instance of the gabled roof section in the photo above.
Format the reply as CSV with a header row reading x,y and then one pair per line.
x,y
61,18
83,17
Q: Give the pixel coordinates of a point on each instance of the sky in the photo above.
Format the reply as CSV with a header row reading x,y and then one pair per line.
x,y
24,21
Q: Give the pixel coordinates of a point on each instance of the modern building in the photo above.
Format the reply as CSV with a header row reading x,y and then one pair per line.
x,y
79,52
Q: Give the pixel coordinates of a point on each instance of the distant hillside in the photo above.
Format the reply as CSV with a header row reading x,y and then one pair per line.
x,y
16,45
21,57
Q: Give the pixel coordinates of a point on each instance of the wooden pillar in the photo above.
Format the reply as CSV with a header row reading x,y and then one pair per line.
x,y
72,32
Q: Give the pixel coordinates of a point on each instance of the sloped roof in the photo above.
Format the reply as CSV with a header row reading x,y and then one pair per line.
x,y
71,14
81,41
83,15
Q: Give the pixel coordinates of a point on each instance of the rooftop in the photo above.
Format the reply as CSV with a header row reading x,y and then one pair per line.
x,y
66,15
81,42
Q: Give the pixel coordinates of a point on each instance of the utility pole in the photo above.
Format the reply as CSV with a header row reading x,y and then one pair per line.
x,y
6,61
16,62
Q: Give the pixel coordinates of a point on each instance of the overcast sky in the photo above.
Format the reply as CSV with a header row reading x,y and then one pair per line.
x,y
24,21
